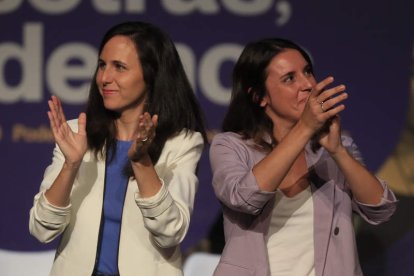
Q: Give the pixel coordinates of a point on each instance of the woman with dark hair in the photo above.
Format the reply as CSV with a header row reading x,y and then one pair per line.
x,y
122,181
288,180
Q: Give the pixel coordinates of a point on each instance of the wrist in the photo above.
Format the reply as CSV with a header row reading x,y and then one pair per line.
x,y
304,129
339,153
72,165
143,160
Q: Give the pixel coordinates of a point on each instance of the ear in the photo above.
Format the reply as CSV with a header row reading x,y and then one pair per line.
x,y
264,101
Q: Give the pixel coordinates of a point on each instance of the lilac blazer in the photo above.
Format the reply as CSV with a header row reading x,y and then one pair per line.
x,y
247,210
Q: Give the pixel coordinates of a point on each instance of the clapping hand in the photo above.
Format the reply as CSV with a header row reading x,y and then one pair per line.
x,y
73,145
146,133
322,113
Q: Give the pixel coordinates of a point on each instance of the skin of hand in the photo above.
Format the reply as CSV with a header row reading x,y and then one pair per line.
x,y
364,185
146,177
331,140
292,144
313,116
146,133
73,145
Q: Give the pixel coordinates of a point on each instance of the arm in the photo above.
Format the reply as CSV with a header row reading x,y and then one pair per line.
x,y
371,197
167,213
51,209
47,221
147,179
271,171
73,146
374,213
365,187
234,183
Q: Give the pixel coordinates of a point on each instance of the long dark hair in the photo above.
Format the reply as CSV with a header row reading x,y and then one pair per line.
x,y
244,115
169,92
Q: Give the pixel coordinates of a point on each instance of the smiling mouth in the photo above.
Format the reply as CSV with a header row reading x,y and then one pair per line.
x,y
106,92
304,100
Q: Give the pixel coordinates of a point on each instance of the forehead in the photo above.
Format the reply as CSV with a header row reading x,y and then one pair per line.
x,y
120,48
289,60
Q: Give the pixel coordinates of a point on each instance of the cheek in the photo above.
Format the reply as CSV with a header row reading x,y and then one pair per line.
x,y
313,82
139,85
98,78
135,86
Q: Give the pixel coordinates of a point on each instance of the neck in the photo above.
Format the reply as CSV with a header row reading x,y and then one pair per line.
x,y
127,124
281,128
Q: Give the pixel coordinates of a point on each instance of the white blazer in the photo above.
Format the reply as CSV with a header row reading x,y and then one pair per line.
x,y
151,228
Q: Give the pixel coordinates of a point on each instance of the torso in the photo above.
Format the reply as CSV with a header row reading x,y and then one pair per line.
x,y
296,180
290,237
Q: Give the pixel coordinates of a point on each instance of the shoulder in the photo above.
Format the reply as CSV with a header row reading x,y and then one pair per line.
x,y
183,140
186,145
225,138
187,136
233,140
230,141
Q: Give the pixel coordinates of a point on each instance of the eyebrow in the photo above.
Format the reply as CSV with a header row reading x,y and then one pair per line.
x,y
116,61
290,73
308,66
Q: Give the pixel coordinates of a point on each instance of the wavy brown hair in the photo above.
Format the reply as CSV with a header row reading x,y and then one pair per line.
x,y
244,115
169,92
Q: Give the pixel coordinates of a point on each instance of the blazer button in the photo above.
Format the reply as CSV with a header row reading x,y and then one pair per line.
x,y
336,231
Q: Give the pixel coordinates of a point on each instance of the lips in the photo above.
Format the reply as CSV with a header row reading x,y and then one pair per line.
x,y
108,92
304,100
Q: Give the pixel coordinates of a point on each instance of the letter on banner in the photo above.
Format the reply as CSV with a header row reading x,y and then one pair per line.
x,y
209,71
60,71
181,7
243,7
9,6
29,55
55,6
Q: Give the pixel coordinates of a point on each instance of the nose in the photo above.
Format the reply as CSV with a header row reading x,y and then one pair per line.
x,y
306,83
104,76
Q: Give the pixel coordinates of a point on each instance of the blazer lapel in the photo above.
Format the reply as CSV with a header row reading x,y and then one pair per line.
x,y
323,193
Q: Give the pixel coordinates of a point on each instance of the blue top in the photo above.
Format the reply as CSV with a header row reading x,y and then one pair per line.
x,y
115,189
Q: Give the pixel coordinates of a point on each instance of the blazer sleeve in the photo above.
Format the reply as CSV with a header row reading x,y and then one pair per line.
x,y
46,221
233,180
373,214
167,214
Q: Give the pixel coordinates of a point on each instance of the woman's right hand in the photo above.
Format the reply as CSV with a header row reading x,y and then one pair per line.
x,y
323,104
73,145
146,133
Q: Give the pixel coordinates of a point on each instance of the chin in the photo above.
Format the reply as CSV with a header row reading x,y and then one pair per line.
x,y
111,105
113,109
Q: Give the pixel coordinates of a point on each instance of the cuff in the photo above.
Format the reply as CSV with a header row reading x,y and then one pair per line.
x,y
157,204
387,197
49,213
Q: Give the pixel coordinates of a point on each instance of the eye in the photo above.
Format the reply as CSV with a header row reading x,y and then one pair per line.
x,y
308,71
101,64
288,78
120,66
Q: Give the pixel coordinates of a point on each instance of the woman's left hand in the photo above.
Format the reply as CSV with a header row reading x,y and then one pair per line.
x,y
331,139
146,133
